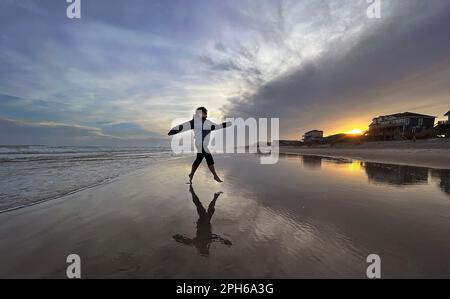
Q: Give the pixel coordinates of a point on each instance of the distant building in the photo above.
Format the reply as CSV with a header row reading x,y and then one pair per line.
x,y
400,126
443,127
313,136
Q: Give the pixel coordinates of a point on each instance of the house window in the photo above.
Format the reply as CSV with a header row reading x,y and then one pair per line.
x,y
420,122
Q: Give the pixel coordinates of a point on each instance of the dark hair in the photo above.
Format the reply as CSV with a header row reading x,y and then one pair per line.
x,y
203,109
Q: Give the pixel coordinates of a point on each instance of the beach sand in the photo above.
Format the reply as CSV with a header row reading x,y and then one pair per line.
x,y
304,217
424,153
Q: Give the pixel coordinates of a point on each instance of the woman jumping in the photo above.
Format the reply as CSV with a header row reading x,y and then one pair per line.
x,y
202,129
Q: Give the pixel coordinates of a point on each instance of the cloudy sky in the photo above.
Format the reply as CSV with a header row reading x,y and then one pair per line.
x,y
122,73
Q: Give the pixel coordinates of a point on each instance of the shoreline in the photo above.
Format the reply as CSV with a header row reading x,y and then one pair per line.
x,y
432,154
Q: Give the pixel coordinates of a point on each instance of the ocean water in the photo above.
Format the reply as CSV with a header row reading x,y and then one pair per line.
x,y
32,174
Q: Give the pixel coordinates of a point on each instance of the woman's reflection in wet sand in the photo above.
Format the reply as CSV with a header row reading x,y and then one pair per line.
x,y
204,236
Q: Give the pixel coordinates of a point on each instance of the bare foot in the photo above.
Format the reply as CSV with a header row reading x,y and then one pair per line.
x,y
217,179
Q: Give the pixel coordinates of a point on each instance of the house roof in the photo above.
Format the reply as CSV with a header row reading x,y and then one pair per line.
x,y
313,131
448,113
410,114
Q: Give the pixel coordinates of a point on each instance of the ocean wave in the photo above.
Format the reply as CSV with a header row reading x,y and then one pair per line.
x,y
42,149
33,174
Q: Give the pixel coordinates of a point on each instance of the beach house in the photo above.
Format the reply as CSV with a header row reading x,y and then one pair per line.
x,y
313,136
400,126
443,127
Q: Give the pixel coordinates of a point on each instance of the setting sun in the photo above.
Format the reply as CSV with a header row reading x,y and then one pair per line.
x,y
355,132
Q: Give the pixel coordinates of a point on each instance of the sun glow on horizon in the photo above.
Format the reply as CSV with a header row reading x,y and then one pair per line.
x,y
355,132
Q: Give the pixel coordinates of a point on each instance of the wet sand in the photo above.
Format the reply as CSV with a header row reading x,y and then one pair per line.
x,y
423,153
305,217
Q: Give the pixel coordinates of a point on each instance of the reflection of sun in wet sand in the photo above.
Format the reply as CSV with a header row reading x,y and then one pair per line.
x,y
204,236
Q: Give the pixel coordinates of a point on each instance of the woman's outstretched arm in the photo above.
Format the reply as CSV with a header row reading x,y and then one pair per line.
x,y
181,128
221,126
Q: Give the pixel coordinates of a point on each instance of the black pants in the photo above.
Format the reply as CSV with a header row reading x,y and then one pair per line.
x,y
207,156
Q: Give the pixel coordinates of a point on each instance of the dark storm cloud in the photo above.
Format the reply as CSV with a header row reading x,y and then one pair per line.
x,y
402,57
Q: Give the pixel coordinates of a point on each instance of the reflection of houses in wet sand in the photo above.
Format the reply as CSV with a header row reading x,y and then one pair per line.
x,y
406,175
316,162
444,176
396,174
313,162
